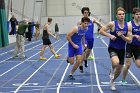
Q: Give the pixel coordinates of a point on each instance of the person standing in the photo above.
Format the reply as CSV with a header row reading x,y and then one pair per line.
x,y
120,33
57,31
89,36
20,38
133,48
46,40
75,38
30,29
37,30
13,22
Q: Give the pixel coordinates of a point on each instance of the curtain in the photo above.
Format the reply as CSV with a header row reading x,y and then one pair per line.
x,y
3,25
128,5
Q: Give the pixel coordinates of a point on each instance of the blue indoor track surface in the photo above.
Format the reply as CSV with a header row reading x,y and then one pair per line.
x,y
31,75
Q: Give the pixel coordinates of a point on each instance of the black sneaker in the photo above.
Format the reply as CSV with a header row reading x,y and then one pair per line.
x,y
86,64
71,77
85,49
68,60
22,57
81,69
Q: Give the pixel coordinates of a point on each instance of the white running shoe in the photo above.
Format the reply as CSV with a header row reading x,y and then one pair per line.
x,y
111,74
123,82
113,88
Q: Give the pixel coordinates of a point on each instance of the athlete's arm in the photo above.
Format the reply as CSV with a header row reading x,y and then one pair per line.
x,y
104,29
48,30
99,24
128,37
78,23
83,41
68,36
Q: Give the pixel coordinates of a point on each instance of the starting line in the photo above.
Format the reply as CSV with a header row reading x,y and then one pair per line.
x,y
76,84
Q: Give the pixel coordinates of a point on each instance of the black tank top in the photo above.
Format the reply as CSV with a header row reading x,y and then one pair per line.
x,y
45,34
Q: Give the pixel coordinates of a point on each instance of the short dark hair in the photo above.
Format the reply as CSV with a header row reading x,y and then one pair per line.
x,y
85,19
49,19
136,10
85,8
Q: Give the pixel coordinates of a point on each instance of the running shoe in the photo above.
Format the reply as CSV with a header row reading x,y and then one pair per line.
x,y
123,82
86,64
22,57
90,57
71,77
112,85
111,74
81,69
15,56
42,58
68,60
57,55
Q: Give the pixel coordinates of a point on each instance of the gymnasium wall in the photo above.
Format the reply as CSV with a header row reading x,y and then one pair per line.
x,y
65,12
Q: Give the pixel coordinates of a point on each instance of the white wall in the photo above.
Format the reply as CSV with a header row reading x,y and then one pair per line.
x,y
65,12
66,23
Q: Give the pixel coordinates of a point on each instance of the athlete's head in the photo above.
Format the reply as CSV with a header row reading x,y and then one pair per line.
x,y
85,11
136,13
85,21
136,10
120,14
50,20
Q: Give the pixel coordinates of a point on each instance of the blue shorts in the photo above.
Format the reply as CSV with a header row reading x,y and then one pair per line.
x,y
74,52
89,43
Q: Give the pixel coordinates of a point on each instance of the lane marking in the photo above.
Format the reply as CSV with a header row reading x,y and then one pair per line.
x,y
62,78
53,87
14,49
96,74
136,80
70,83
58,67
36,71
21,62
26,84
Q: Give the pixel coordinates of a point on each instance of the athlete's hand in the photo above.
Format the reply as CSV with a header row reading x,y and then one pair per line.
x,y
55,37
76,46
120,33
138,37
112,37
85,46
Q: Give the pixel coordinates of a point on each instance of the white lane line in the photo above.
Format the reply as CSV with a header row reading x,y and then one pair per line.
x,y
36,71
24,51
43,90
20,73
17,65
60,83
14,49
21,62
53,87
96,73
136,80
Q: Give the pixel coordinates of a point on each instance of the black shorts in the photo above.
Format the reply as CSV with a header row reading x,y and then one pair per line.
x,y
117,52
132,50
46,42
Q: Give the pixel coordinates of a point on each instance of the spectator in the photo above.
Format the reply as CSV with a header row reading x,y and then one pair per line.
x,y
13,22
